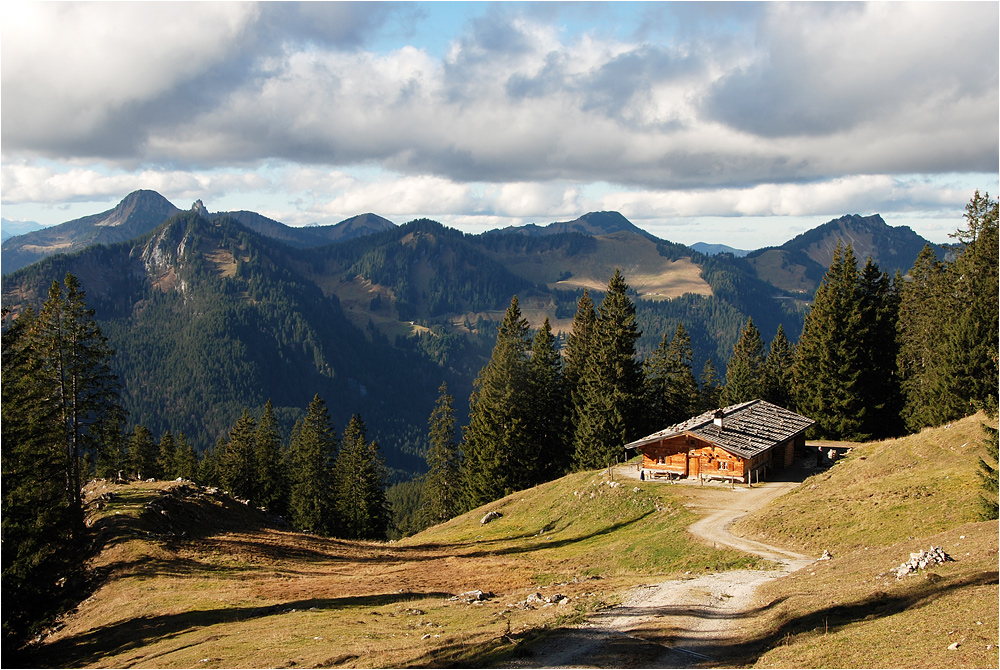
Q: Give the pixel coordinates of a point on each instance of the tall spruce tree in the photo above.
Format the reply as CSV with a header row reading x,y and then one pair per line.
x,y
362,506
776,371
971,355
743,372
239,462
878,314
922,328
548,407
167,457
39,530
710,393
76,367
142,454
499,453
989,507
828,364
271,479
579,345
611,383
210,467
671,390
185,460
442,492
948,325
311,456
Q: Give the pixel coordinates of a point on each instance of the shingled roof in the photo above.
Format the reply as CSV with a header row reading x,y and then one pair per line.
x,y
748,428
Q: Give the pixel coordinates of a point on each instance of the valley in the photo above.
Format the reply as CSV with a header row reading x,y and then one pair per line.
x,y
360,310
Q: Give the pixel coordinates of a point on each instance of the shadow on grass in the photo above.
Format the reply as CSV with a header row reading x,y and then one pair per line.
x,y
121,636
728,651
876,606
482,547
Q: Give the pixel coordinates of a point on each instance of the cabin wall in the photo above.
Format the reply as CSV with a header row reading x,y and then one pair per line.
x,y
689,456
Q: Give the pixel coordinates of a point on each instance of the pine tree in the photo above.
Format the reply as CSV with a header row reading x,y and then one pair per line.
x,y
362,506
497,442
948,326
579,345
878,314
75,359
776,371
709,395
548,408
442,494
657,390
971,355
827,372
210,467
185,460
922,333
684,387
743,371
272,486
166,461
39,541
311,455
142,454
989,508
671,390
239,462
611,383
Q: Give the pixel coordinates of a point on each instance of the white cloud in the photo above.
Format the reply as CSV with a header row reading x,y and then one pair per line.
x,y
70,68
705,110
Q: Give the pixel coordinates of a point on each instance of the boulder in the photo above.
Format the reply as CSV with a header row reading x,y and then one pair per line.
x,y
490,516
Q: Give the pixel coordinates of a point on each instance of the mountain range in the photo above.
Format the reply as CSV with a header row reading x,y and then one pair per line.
x,y
213,312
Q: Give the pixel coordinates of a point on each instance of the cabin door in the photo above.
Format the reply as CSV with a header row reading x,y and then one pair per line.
x,y
694,465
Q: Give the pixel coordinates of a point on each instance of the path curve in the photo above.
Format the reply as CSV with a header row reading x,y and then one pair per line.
x,y
699,611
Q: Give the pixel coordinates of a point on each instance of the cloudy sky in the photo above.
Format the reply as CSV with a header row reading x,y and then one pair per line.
x,y
739,123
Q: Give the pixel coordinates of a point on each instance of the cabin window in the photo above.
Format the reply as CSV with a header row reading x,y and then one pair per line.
x,y
723,465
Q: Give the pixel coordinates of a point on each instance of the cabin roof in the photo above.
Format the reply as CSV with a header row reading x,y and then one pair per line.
x,y
748,428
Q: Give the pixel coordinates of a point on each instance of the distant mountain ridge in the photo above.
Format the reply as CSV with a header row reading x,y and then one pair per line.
x,y
798,266
593,223
713,249
142,211
9,229
138,213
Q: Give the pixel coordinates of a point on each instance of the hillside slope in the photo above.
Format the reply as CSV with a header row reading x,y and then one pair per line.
x,y
872,511
190,578
207,318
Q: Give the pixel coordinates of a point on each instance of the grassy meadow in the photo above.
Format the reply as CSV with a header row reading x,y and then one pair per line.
x,y
190,578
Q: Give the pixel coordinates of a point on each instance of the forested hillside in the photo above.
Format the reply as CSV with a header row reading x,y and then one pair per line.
x,y
214,313
207,318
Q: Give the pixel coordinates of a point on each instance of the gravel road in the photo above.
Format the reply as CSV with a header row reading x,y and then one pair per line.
x,y
700,612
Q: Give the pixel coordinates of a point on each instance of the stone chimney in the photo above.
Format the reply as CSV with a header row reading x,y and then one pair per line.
x,y
718,419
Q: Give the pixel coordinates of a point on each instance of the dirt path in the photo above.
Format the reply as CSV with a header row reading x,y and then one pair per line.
x,y
695,614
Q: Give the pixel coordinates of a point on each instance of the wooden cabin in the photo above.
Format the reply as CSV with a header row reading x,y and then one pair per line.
x,y
739,443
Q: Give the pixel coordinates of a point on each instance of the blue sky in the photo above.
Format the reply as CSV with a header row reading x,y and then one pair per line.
x,y
735,123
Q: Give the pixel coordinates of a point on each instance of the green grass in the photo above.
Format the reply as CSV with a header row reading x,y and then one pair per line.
x,y
580,521
882,493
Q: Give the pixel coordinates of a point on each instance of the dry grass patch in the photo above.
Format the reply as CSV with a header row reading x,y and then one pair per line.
x,y
191,578
850,613
882,493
